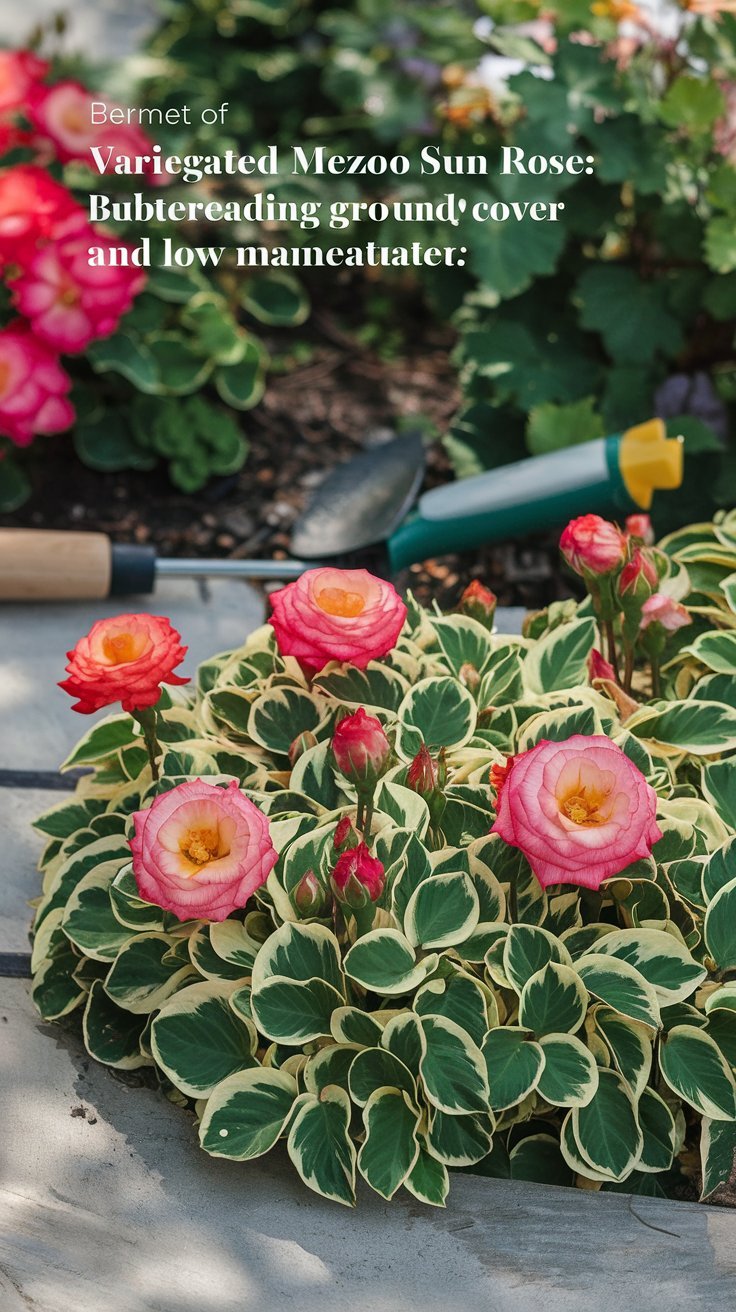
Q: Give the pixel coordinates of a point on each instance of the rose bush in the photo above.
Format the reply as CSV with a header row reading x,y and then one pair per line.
x,y
404,996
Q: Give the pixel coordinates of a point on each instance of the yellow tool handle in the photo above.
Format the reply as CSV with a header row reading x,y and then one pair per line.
x,y
46,565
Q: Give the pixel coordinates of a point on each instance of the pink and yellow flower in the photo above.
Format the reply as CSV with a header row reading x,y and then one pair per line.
x,y
579,810
337,615
33,387
62,115
125,658
664,610
33,207
200,851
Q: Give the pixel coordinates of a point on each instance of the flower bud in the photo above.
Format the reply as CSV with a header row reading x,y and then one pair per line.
x,y
479,603
345,836
469,677
427,776
640,526
592,545
309,897
638,578
664,611
599,667
300,745
361,749
358,877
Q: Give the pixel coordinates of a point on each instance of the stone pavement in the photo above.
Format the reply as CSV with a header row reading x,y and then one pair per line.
x,y
107,1202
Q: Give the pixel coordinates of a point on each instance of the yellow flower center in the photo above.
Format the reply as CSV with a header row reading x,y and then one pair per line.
x,y
200,846
121,648
338,601
584,807
73,120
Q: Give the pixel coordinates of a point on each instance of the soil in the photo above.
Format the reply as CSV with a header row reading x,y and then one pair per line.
x,y
345,398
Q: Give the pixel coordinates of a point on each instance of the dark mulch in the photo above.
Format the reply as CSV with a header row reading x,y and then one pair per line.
x,y
312,416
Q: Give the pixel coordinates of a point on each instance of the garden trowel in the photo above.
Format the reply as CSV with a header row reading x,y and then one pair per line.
x,y
366,512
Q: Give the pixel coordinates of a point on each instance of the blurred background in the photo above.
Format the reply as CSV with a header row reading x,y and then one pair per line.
x,y
198,412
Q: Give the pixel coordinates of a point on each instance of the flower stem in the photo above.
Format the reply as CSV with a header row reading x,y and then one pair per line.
x,y
147,720
611,645
368,822
656,679
628,666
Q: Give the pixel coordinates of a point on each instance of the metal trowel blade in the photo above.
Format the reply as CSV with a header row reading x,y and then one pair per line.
x,y
362,501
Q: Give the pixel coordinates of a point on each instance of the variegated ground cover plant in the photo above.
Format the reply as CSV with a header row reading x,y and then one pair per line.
x,y
374,978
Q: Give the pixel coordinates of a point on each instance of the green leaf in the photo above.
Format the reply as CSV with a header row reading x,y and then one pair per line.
x,y
514,1064
551,427
701,727
242,385
404,1037
104,739
295,1011
528,949
558,660
383,960
630,1045
463,641
276,299
246,1113
719,787
717,1154
442,911
278,716
127,356
106,442
299,952
428,1180
452,1068
716,649
538,1158
181,369
692,104
320,1146
553,1001
439,712
621,986
659,957
55,990
391,1147
660,1135
694,1068
89,920
507,257
145,973
569,1076
629,314
720,927
111,1035
460,1140
606,1129
375,1068
718,869
351,1025
460,999
198,1040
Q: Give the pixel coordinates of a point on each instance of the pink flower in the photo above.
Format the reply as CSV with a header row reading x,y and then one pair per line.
x,y
344,833
640,526
63,115
125,658
33,387
592,545
639,575
360,747
664,610
200,851
599,668
69,302
358,867
580,811
337,615
479,603
20,70
32,209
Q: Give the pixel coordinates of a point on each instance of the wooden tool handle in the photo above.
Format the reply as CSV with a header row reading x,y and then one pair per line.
x,y
45,565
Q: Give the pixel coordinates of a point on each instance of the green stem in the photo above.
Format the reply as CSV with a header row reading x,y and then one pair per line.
x,y
360,812
628,666
147,720
611,645
656,679
368,823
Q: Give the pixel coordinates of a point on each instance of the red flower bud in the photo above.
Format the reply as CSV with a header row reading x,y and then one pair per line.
x,y
356,874
300,745
345,835
427,776
591,545
498,776
361,749
640,526
469,676
479,603
599,668
639,576
309,896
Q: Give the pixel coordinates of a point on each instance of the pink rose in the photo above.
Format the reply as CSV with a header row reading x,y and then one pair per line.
x,y
580,811
337,615
640,526
33,387
360,747
62,114
20,70
32,208
664,610
125,658
69,302
200,851
591,545
356,870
